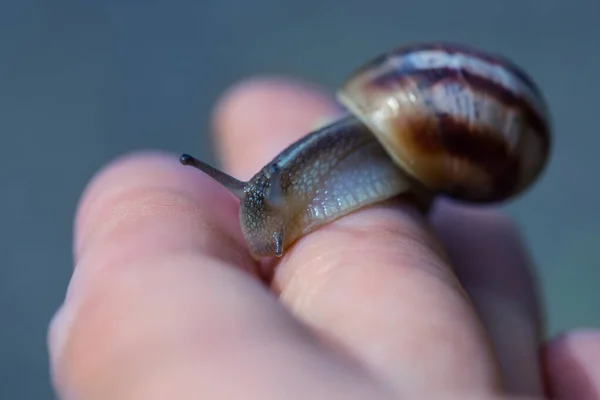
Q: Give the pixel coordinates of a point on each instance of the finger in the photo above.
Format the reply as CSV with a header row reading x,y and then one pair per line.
x,y
266,114
375,282
156,185
158,307
490,261
573,365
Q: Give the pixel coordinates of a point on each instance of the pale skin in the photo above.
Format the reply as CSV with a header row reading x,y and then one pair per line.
x,y
381,304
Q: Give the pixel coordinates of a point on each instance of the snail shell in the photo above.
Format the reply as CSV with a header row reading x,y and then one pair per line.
x,y
425,119
465,123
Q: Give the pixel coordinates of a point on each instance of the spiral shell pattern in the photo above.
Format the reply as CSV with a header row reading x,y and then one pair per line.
x,y
463,122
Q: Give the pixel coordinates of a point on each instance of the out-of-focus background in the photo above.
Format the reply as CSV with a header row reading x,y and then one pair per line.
x,y
84,81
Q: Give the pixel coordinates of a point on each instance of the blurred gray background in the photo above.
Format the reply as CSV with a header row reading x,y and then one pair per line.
x,y
84,81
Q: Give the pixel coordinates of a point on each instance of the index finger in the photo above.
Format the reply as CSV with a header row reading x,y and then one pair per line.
x,y
160,304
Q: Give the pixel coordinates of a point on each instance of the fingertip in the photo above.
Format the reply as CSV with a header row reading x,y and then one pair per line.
x,y
157,177
580,343
103,178
256,118
572,362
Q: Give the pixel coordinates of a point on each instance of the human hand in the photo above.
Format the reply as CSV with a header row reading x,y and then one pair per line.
x,y
378,305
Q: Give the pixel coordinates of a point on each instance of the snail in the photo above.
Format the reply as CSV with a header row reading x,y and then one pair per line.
x,y
428,119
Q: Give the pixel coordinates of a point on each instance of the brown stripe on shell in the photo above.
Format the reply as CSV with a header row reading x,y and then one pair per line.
x,y
476,145
483,148
428,78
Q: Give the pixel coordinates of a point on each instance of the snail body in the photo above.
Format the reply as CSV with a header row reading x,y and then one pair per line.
x,y
425,119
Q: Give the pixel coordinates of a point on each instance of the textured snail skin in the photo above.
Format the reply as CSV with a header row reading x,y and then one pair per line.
x,y
426,119
465,123
329,173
